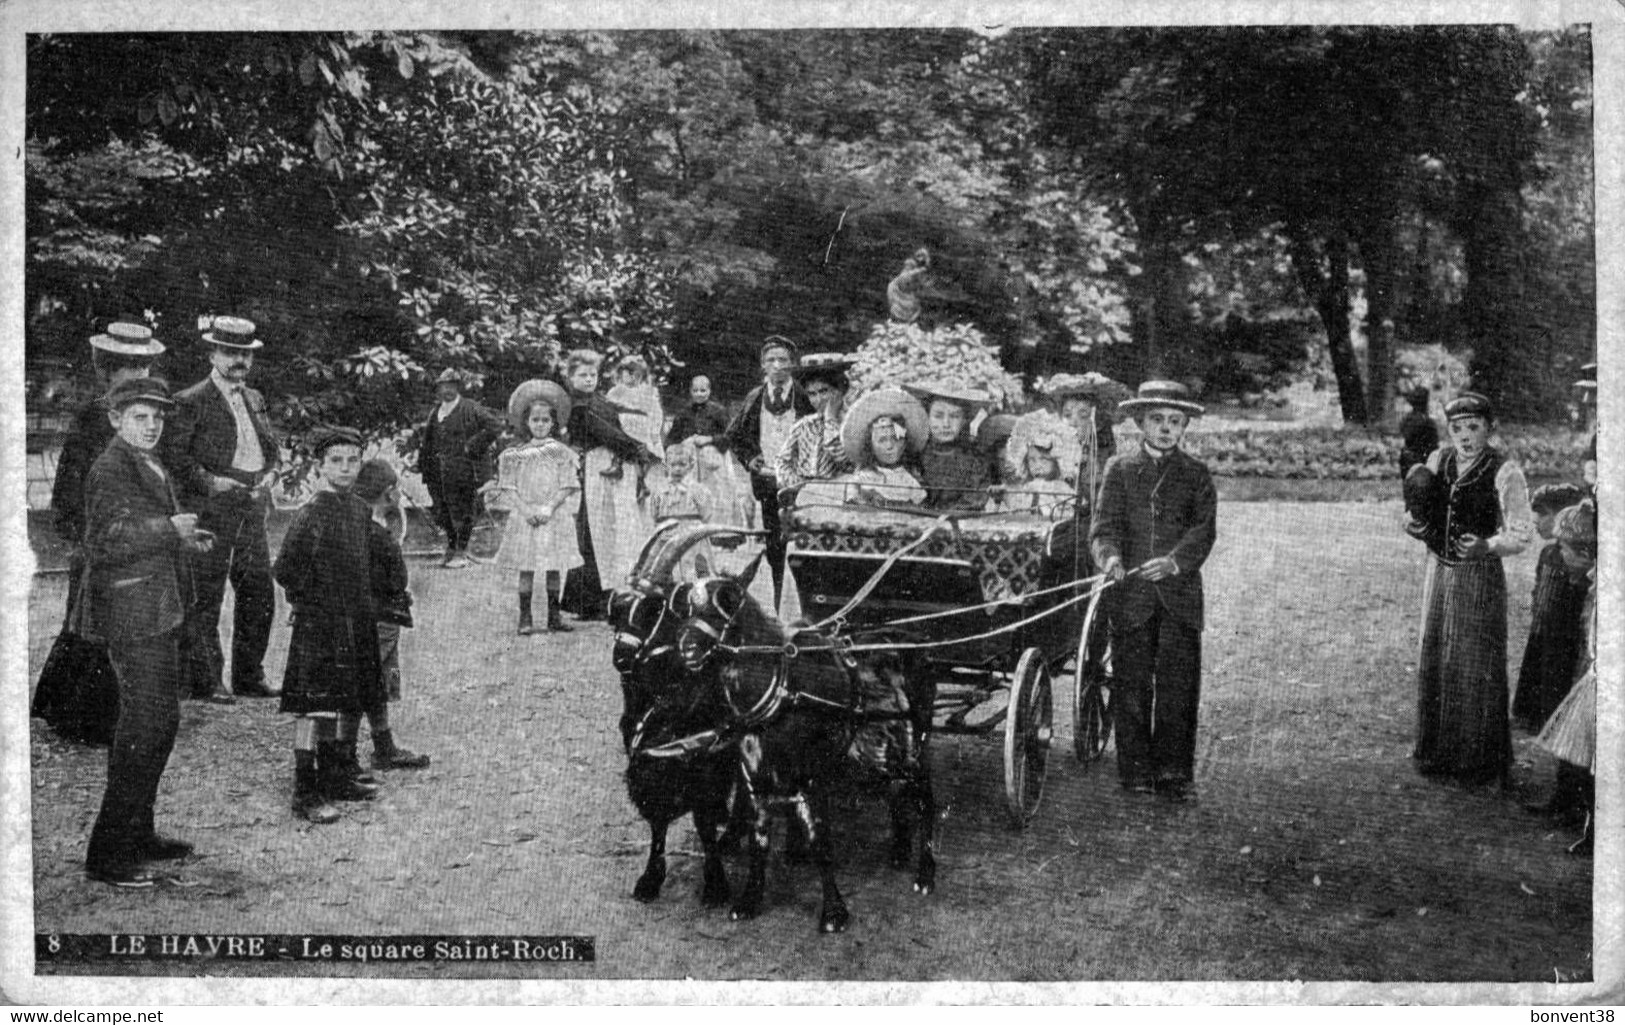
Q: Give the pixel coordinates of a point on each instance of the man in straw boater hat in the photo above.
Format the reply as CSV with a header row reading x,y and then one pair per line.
x,y
134,599
224,454
77,692
453,439
1156,514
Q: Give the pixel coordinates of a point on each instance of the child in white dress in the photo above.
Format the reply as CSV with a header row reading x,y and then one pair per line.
x,y
641,415
1040,445
538,487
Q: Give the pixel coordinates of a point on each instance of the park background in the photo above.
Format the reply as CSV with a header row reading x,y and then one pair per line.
x,y
1235,208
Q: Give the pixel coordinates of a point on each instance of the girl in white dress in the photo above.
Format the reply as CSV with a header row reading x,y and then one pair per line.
x,y
538,485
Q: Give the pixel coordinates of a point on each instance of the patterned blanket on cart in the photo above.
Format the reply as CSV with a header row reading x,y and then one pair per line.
x,y
1007,549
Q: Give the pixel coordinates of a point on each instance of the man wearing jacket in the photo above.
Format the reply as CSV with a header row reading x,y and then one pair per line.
x,y
452,447
223,454
1156,514
134,600
769,412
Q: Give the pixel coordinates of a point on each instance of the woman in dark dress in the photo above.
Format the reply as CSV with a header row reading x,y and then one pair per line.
x,y
77,695
1556,627
596,435
1469,504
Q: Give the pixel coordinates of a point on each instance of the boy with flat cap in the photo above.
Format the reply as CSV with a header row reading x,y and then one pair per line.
x,y
77,692
1157,514
134,596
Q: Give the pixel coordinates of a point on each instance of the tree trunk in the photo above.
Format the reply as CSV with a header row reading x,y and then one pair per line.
x,y
1328,289
1492,301
1380,255
1160,308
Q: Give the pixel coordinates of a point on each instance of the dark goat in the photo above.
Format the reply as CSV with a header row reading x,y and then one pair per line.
x,y
798,702
664,704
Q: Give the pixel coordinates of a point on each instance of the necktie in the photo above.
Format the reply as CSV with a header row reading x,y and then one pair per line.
x,y
777,400
248,457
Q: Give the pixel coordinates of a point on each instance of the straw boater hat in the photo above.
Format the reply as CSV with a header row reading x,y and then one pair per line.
x,y
970,398
450,375
154,391
1164,394
129,340
870,407
532,391
823,366
1043,430
232,333
1469,403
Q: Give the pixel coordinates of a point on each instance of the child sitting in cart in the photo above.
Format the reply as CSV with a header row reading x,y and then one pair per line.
x,y
955,474
1040,444
880,429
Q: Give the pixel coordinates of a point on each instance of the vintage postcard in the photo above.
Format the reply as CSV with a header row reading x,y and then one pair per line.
x,y
1003,503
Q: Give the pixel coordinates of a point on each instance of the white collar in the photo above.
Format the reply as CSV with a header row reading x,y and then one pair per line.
x,y
447,407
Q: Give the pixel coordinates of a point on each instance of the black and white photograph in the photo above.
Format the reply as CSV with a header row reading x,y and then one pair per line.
x,y
839,504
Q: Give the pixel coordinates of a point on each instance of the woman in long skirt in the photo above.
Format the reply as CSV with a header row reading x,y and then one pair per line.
x,y
607,531
1470,505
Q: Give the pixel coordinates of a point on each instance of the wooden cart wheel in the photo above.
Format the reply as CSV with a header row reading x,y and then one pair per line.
x,y
1028,727
1091,712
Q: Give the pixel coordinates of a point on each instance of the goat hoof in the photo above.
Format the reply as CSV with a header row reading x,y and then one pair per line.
x,y
836,921
744,912
647,889
924,889
714,898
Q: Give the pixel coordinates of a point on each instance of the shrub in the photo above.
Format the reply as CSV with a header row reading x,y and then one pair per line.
x,y
1330,453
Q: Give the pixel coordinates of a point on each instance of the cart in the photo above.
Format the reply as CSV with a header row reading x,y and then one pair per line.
x,y
1006,601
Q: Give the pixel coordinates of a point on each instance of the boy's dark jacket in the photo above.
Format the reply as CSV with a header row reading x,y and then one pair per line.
x,y
136,582
1149,510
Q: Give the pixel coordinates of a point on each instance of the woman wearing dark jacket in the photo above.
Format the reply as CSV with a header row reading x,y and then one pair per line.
x,y
1470,506
609,531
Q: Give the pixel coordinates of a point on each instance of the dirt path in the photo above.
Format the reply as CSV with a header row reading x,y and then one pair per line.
x,y
1313,851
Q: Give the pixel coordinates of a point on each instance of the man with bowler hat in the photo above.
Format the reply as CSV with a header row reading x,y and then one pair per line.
x,y
134,600
222,452
760,430
77,693
1157,514
453,443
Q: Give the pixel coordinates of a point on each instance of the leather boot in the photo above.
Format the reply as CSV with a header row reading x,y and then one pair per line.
x,y
307,798
333,774
385,755
555,622
352,764
526,626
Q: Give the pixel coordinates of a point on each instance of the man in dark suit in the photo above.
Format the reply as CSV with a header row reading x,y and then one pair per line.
x,y
763,425
134,599
450,452
223,455
1157,513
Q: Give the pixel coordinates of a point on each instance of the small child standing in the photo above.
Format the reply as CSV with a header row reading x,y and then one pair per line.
x,y
378,486
641,414
1040,444
333,673
1556,634
682,496
539,487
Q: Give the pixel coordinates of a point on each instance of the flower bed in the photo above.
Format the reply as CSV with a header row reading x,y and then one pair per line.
x,y
1330,453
